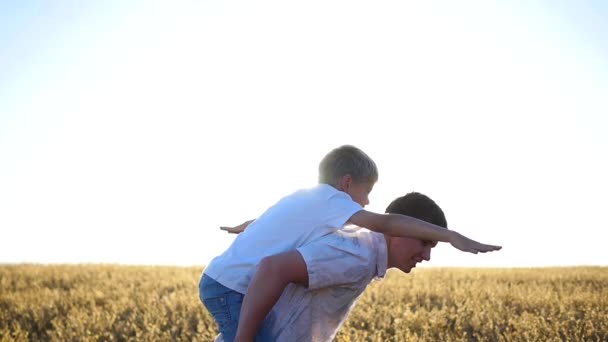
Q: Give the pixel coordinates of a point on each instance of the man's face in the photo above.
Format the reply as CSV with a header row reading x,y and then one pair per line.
x,y
406,253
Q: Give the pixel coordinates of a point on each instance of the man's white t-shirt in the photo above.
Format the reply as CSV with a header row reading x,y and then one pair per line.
x,y
294,221
340,267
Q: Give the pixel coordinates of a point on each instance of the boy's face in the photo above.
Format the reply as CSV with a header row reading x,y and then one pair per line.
x,y
359,191
405,253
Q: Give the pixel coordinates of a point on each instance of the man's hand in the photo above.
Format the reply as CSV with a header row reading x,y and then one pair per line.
x,y
465,244
237,229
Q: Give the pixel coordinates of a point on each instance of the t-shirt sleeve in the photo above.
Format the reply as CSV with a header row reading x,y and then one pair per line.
x,y
336,260
340,208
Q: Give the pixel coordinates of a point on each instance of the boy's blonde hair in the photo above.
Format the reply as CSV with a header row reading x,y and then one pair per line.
x,y
347,160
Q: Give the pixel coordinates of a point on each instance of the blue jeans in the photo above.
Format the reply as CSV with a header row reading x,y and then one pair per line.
x,y
224,305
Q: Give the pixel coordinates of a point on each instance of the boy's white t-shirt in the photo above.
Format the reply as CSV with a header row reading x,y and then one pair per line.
x,y
294,221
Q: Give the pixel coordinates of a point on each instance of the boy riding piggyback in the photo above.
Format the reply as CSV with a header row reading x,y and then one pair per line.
x,y
346,177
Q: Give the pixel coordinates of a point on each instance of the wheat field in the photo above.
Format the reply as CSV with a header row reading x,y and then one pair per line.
x,y
157,303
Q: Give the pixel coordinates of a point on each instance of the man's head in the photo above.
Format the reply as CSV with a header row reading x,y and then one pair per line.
x,y
405,253
349,169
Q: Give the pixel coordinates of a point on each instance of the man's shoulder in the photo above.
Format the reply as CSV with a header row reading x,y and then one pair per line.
x,y
371,247
352,245
362,234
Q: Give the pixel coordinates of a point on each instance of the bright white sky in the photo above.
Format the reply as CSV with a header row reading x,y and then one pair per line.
x,y
131,130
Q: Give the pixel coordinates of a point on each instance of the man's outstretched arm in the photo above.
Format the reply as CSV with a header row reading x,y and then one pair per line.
x,y
273,274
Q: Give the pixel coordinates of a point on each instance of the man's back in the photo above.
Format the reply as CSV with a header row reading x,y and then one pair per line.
x,y
340,267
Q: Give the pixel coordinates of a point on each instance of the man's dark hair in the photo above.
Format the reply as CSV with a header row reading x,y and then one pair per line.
x,y
418,206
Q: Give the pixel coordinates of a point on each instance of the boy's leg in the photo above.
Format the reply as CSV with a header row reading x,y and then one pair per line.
x,y
223,304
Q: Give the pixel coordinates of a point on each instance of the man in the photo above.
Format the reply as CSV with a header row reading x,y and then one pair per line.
x,y
323,279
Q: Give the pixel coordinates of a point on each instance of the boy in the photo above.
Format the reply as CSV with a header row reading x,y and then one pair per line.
x,y
346,177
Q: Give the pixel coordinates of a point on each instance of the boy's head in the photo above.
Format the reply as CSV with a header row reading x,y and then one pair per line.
x,y
349,169
405,253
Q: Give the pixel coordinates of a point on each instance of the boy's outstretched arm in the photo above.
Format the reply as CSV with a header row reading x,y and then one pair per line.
x,y
273,274
406,226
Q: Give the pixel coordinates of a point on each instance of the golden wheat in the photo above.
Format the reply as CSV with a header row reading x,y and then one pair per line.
x,y
139,303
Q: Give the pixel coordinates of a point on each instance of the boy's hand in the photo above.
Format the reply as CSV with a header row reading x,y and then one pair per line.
x,y
465,244
237,229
